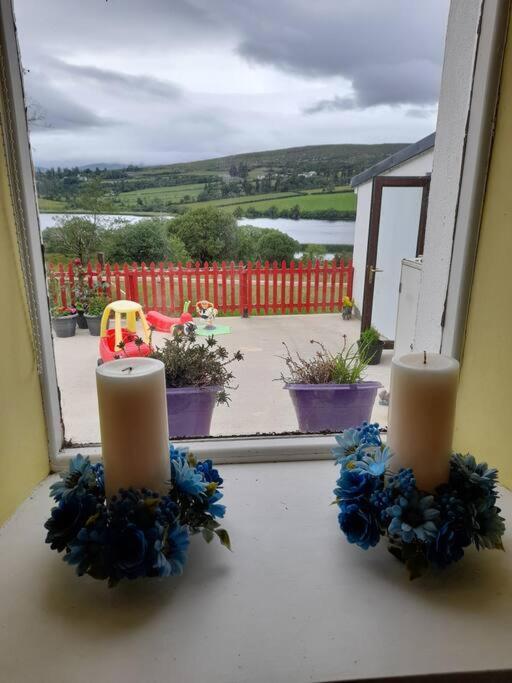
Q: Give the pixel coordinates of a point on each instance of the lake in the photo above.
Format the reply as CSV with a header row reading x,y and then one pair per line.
x,y
304,231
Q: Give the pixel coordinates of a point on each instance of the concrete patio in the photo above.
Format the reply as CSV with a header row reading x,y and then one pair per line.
x,y
259,405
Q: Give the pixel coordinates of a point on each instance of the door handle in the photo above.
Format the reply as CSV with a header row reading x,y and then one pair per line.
x,y
371,273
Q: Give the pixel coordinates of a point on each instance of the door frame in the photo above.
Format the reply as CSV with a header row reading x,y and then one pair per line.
x,y
379,182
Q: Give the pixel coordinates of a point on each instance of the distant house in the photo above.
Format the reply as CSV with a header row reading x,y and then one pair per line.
x,y
390,221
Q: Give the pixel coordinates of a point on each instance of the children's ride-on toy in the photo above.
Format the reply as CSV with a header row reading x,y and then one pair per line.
x,y
164,323
122,342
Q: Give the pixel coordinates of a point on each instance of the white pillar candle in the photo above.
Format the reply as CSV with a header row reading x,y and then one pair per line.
x,y
421,415
133,424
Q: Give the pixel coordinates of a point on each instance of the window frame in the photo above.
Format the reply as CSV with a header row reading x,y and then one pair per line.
x,y
485,79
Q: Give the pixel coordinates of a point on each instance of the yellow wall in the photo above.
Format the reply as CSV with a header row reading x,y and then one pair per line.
x,y
23,442
484,411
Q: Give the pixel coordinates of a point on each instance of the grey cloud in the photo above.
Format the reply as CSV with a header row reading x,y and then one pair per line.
x,y
420,112
337,103
55,111
125,84
389,50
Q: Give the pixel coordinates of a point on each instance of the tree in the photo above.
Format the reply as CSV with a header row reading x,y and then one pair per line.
x,y
274,245
313,252
93,199
177,250
209,234
248,239
144,241
77,237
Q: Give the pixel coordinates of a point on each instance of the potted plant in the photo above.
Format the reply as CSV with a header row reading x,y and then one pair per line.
x,y
348,305
64,321
197,377
81,293
95,309
372,344
328,391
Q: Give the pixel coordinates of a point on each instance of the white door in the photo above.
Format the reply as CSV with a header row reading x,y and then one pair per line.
x,y
399,212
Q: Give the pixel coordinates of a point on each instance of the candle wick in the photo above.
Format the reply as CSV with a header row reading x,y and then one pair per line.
x,y
129,368
424,357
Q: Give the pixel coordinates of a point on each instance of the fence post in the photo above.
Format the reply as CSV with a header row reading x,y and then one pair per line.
x,y
242,274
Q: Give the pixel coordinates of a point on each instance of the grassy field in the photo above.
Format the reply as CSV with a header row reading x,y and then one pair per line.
x,y
51,205
342,201
173,193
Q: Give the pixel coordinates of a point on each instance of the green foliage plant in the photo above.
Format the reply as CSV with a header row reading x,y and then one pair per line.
x,y
345,367
96,305
192,363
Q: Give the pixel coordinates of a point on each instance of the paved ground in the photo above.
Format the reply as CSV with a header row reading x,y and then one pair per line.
x,y
259,405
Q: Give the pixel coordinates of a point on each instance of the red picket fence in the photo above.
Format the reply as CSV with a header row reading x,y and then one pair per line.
x,y
253,288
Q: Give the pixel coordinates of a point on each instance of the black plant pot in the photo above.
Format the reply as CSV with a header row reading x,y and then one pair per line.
x,y
81,321
374,351
65,326
94,324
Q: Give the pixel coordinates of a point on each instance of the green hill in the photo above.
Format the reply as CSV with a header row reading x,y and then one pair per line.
x,y
311,157
273,183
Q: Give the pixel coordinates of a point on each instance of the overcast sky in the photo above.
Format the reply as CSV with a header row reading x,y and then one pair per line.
x,y
158,81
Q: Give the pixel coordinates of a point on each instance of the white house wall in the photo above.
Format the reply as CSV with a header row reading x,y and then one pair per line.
x,y
419,165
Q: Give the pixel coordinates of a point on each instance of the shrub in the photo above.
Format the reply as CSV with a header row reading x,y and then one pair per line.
x,y
190,363
145,241
96,305
345,367
275,245
208,233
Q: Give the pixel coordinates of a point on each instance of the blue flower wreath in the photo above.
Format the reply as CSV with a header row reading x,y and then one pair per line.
x,y
423,529
140,532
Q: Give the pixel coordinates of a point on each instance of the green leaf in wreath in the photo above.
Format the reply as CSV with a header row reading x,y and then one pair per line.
x,y
207,535
224,538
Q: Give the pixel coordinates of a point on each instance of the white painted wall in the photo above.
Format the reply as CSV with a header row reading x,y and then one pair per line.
x,y
452,122
400,212
419,165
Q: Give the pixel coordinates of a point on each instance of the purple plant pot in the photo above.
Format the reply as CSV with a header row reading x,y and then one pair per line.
x,y
190,410
332,407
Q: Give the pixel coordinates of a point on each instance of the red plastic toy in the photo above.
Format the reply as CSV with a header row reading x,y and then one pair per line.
x,y
130,349
163,323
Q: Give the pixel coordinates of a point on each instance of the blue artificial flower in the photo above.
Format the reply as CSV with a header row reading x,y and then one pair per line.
x,y
171,553
354,483
355,439
78,478
129,549
402,483
359,524
210,474
177,453
88,552
372,459
489,525
448,545
412,519
216,509
465,469
68,518
186,479
348,443
99,473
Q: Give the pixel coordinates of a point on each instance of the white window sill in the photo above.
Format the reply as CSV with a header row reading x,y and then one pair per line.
x,y
293,602
227,450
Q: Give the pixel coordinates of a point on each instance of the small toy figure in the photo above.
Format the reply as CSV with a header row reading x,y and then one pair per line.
x,y
348,304
384,398
206,310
